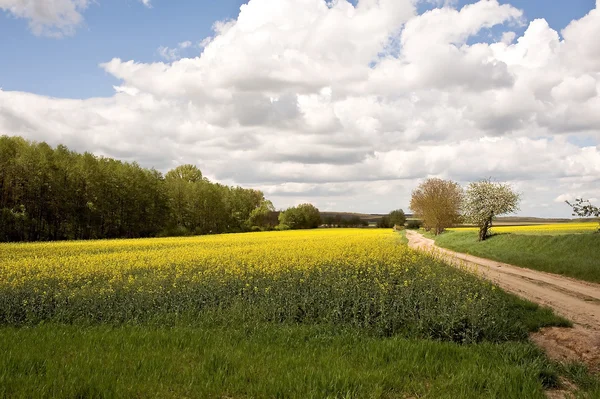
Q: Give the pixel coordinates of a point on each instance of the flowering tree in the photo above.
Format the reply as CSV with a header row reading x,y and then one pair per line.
x,y
584,208
484,200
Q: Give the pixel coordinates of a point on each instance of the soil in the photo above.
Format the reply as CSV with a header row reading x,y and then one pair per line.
x,y
575,300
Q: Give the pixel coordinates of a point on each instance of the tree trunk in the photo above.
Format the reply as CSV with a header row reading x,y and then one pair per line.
x,y
483,231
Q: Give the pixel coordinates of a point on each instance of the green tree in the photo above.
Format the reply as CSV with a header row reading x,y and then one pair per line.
x,y
384,222
311,216
304,216
188,173
56,194
397,218
242,202
260,217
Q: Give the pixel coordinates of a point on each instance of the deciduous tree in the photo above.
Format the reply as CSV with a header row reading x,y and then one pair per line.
x,y
437,203
56,194
397,218
584,208
384,222
303,216
484,200
260,217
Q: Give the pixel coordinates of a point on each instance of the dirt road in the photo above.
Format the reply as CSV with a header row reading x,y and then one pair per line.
x,y
575,300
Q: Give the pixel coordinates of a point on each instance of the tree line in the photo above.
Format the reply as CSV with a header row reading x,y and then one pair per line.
x,y
57,194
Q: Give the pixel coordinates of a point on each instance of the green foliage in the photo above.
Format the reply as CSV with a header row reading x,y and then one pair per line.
x,y
414,224
57,194
262,217
303,216
246,359
352,221
397,218
384,222
188,173
573,255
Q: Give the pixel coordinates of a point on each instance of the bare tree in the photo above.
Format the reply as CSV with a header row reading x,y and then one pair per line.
x,y
437,203
584,208
484,200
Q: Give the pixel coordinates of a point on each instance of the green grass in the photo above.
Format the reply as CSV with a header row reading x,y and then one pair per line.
x,y
230,353
233,360
573,255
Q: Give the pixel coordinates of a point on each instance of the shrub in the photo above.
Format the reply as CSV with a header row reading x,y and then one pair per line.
x,y
414,224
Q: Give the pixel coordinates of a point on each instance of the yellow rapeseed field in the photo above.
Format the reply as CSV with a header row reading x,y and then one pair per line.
x,y
555,228
361,277
197,258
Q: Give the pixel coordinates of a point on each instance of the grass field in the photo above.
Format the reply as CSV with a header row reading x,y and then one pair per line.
x,y
328,313
569,249
263,361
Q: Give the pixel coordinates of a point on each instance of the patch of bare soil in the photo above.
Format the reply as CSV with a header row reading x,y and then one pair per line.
x,y
576,344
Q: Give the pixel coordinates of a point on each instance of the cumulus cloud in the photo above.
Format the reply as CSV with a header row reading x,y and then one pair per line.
x,y
56,18
51,18
172,54
350,106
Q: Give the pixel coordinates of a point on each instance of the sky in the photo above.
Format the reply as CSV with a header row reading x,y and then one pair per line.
x,y
348,105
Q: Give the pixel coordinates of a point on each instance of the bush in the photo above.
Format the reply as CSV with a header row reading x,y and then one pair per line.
x,y
176,231
303,216
414,224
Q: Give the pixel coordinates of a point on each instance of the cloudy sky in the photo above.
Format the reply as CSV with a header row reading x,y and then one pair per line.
x,y
348,105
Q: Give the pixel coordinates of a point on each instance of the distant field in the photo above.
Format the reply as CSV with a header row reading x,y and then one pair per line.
x,y
551,229
350,313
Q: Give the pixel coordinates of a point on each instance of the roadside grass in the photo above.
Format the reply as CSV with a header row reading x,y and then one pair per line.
x,y
579,374
532,316
572,255
260,360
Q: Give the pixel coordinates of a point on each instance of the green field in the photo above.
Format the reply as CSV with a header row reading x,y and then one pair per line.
x,y
330,313
260,361
554,251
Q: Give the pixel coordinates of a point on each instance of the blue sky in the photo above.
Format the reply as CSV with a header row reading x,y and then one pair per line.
x,y
68,67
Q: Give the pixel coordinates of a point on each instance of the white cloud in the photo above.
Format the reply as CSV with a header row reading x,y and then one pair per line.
x,y
172,54
54,18
352,105
50,18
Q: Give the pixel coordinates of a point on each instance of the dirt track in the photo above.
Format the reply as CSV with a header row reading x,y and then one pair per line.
x,y
575,300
